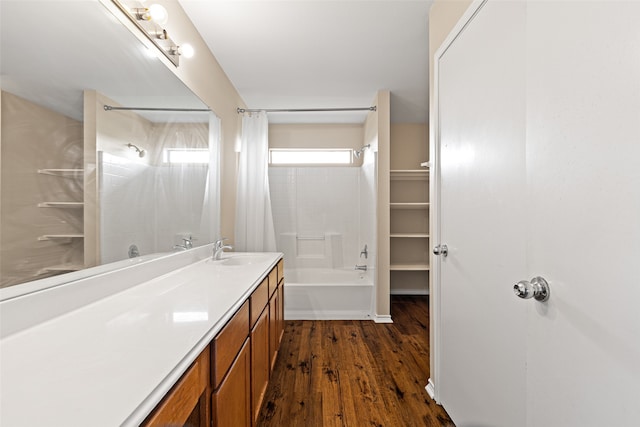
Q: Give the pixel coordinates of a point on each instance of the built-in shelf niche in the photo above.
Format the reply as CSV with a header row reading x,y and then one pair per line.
x,y
68,238
405,221
409,187
62,205
61,268
409,209
409,251
61,237
65,173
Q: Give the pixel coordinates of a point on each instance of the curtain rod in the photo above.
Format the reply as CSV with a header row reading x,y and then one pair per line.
x,y
304,110
109,108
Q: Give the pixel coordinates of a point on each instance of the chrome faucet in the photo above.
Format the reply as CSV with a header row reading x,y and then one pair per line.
x,y
186,244
364,252
361,267
219,247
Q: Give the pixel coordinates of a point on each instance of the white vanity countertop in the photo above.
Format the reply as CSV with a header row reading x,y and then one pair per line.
x,y
110,362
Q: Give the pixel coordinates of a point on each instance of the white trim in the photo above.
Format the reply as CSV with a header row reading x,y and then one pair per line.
x,y
435,337
409,291
382,318
325,315
431,390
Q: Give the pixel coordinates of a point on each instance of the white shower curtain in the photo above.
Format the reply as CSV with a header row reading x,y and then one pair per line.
x,y
211,220
254,221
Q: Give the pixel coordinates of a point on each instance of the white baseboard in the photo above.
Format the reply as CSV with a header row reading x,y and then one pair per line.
x,y
326,315
409,292
431,390
382,318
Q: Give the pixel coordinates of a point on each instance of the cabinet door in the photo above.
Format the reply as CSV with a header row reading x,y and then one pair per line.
x,y
273,328
280,320
228,342
187,402
232,400
260,362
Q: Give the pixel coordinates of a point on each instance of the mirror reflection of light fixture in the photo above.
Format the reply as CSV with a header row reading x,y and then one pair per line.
x,y
149,20
187,50
158,14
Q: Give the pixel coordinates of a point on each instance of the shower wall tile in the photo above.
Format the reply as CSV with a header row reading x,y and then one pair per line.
x,y
282,184
126,209
368,202
316,201
181,209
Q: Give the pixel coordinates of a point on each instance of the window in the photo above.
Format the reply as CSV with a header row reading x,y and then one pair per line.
x,y
185,155
333,156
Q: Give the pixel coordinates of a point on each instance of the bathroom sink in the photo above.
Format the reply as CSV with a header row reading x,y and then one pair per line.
x,y
244,259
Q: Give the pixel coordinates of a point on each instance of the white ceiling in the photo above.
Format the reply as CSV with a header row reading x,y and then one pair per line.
x,y
321,54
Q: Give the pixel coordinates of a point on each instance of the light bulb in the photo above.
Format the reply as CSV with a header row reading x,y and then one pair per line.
x,y
187,50
158,14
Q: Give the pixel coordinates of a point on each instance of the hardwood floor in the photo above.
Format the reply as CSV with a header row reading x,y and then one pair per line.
x,y
355,373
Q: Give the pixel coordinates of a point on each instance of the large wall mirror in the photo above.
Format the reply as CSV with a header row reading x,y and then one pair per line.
x,y
81,185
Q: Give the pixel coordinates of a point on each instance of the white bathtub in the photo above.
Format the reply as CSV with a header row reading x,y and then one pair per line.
x,y
327,294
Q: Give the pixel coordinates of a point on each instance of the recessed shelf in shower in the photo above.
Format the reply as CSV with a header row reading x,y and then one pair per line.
x,y
66,237
61,205
66,173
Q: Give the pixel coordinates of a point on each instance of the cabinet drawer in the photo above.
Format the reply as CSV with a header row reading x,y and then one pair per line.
x,y
273,281
259,299
280,270
179,403
228,343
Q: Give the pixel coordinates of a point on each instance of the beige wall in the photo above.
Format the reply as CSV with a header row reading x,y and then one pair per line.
x,y
409,145
443,15
377,133
204,76
37,138
317,136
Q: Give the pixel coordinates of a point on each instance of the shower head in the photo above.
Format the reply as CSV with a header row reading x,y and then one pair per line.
x,y
359,152
140,152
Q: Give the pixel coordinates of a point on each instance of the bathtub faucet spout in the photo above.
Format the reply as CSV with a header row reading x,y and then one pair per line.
x,y
361,267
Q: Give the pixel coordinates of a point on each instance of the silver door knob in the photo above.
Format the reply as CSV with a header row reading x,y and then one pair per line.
x,y
441,250
537,288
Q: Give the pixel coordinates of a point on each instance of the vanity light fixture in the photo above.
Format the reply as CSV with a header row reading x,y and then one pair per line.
x,y
150,20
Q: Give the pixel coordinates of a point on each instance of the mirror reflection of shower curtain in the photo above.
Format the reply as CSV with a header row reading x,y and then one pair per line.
x,y
170,194
254,220
210,219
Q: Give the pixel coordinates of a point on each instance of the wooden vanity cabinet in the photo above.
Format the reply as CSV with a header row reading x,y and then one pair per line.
x,y
187,403
226,384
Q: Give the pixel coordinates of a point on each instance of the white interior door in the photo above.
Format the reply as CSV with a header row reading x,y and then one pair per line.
x,y
482,215
572,217
583,167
